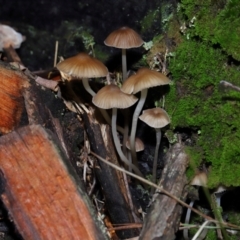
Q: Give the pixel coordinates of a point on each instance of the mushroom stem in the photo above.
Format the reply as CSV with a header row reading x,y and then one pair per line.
x,y
87,87
136,114
103,111
118,146
124,64
158,142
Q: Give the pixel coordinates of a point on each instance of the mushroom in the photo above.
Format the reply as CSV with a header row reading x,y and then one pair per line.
x,y
84,66
199,180
124,38
139,146
109,97
156,118
141,81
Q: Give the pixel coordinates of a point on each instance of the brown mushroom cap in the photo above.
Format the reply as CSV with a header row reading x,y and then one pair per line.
x,y
111,96
82,66
144,78
138,144
200,179
155,117
124,38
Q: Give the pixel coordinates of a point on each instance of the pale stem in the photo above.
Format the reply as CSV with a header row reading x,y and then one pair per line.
x,y
136,114
158,142
124,64
118,146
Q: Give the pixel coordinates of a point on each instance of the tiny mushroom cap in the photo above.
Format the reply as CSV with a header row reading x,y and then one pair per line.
x,y
111,96
139,145
143,79
200,179
8,36
82,66
155,117
124,38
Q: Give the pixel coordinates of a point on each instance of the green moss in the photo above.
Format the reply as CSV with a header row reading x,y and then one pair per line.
x,y
149,19
194,100
214,21
211,235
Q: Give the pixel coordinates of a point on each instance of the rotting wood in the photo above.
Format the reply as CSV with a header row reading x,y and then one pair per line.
x,y
12,83
42,192
163,217
116,194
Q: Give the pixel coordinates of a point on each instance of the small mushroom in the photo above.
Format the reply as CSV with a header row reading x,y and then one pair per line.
x,y
82,66
139,146
141,81
124,38
109,97
156,118
200,179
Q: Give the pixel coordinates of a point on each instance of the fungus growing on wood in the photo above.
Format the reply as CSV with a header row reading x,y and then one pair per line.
x,y
139,146
124,38
109,97
141,81
156,118
84,67
200,179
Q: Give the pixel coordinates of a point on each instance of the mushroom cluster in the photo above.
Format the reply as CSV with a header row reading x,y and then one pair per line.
x,y
84,67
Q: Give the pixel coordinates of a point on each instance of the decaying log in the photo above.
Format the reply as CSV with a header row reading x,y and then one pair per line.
x,y
117,199
163,217
41,191
12,84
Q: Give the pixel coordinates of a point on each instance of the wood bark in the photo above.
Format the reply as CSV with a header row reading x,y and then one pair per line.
x,y
12,83
117,197
163,217
24,150
42,192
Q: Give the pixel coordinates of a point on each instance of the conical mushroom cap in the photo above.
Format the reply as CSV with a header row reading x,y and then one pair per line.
x,y
82,66
111,96
144,78
124,38
155,117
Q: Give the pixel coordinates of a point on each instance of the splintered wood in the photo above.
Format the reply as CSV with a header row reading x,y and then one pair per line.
x,y
12,102
163,217
40,189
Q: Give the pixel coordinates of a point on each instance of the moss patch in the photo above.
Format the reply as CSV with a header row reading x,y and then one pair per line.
x,y
202,60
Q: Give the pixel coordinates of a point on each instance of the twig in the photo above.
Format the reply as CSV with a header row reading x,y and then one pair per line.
x,y
229,85
50,84
224,224
200,230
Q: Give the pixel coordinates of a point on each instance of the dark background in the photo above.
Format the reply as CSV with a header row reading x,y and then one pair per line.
x,y
43,22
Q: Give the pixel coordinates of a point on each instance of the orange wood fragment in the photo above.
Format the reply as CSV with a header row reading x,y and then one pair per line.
x,y
12,102
41,192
